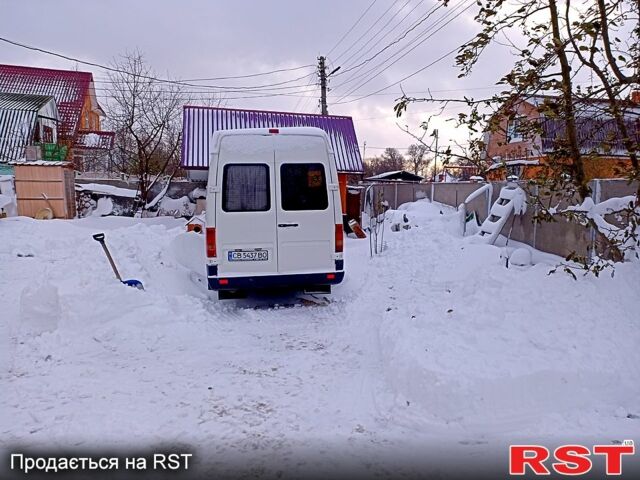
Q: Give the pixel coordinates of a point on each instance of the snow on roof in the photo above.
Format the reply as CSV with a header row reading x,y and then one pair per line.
x,y
397,175
511,163
199,123
107,189
69,88
94,140
41,163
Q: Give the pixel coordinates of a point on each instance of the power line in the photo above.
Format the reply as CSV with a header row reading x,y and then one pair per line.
x,y
250,75
346,61
229,89
268,86
397,40
371,77
352,27
366,31
396,57
386,35
124,72
442,57
299,102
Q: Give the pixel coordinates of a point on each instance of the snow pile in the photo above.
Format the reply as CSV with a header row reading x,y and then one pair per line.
x,y
520,257
176,207
107,190
197,193
189,251
40,309
431,347
8,203
103,208
624,237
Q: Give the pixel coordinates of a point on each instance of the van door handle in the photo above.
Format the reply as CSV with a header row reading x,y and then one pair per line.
x,y
282,225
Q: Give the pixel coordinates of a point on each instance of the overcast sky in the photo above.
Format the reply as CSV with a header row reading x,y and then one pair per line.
x,y
203,39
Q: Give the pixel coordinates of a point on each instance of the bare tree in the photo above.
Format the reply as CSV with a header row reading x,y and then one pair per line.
x,y
417,158
554,42
146,115
390,160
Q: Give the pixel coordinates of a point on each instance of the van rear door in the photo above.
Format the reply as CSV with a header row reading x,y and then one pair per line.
x,y
246,212
305,210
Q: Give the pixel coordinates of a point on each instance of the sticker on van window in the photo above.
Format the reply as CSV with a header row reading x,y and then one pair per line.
x,y
314,178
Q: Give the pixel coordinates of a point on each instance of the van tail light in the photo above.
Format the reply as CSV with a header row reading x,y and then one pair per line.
x,y
211,242
339,238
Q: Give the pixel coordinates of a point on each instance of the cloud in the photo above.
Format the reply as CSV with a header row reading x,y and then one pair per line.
x,y
195,39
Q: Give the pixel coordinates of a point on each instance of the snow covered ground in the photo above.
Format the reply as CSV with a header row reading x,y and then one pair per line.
x,y
430,350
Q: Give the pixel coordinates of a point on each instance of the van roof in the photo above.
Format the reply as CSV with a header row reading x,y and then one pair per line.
x,y
289,131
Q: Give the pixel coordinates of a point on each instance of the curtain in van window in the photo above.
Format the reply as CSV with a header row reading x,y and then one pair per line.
x,y
245,188
303,186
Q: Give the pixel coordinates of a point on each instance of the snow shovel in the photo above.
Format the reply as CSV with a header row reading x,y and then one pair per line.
x,y
99,237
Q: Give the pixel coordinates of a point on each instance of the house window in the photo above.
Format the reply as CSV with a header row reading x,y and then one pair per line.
x,y
47,134
515,128
514,171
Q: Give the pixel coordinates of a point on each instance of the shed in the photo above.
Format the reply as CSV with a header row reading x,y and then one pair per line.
x,y
45,184
199,124
25,120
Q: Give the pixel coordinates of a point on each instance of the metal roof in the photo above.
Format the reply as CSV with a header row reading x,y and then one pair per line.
x,y
18,115
199,124
595,135
69,88
21,101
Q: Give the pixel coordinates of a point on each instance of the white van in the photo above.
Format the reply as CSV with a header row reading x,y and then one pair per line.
x,y
273,212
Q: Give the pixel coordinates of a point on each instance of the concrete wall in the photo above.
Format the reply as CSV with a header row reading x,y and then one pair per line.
x,y
560,237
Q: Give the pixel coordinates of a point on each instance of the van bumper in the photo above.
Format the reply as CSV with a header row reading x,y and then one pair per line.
x,y
274,281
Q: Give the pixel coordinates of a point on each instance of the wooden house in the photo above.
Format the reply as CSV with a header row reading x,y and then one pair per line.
x,y
79,135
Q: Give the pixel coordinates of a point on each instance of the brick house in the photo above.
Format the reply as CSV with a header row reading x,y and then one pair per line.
x,y
80,137
511,152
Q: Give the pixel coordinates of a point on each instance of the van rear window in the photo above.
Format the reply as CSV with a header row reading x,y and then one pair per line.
x,y
245,188
303,186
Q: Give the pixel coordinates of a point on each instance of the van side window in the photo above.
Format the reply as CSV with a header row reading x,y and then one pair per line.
x,y
303,186
245,188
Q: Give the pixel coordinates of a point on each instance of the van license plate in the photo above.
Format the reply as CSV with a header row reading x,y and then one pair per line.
x,y
248,255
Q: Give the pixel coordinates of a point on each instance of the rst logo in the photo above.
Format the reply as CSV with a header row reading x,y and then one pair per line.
x,y
569,459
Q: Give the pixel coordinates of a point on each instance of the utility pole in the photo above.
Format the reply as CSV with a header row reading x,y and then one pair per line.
x,y
322,72
435,159
364,150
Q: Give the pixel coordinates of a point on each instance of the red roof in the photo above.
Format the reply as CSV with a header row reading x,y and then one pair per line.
x,y
69,88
